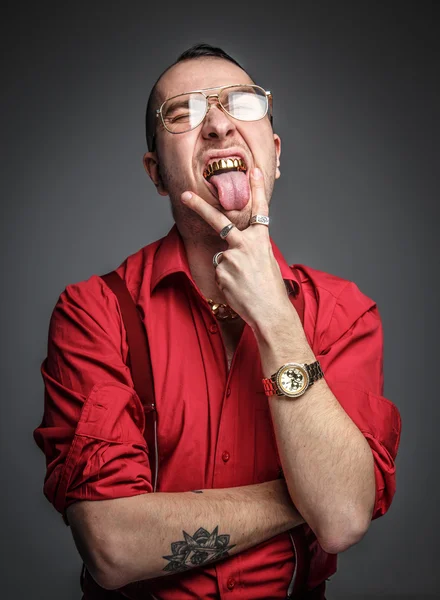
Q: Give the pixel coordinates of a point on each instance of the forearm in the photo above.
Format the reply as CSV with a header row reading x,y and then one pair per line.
x,y
146,527
327,462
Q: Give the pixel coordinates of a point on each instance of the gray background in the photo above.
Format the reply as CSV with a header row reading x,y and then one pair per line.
x,y
356,94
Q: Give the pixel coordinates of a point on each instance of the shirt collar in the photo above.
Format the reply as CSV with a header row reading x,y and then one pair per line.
x,y
171,258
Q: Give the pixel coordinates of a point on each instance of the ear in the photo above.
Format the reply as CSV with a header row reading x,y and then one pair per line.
x,y
277,142
151,165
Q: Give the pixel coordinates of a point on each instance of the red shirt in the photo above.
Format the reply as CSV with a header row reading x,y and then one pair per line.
x,y
214,426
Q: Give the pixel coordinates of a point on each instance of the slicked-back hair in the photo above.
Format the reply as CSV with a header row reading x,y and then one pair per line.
x,y
196,51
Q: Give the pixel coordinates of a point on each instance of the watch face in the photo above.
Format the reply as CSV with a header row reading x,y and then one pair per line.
x,y
292,379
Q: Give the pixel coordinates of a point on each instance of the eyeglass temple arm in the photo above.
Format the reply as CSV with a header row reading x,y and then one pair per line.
x,y
270,102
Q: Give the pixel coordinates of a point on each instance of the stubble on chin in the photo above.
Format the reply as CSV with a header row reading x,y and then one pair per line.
x,y
193,227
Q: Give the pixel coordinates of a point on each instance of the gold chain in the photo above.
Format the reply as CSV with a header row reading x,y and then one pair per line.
x,y
222,312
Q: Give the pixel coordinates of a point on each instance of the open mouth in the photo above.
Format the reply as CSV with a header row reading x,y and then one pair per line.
x,y
223,165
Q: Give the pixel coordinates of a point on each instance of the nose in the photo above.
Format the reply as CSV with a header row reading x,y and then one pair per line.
x,y
217,123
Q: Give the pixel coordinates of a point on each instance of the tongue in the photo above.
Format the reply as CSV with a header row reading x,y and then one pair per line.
x,y
233,189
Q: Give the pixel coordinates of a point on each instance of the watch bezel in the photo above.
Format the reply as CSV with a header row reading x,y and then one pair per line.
x,y
280,387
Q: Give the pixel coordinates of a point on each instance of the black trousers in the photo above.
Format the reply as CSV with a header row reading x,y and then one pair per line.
x,y
318,593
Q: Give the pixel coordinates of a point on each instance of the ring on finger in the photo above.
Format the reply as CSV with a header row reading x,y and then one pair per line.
x,y
215,258
224,232
260,220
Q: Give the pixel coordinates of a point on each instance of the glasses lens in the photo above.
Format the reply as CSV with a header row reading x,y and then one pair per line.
x,y
246,103
184,112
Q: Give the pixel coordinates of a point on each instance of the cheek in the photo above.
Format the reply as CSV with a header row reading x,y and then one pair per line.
x,y
177,158
260,142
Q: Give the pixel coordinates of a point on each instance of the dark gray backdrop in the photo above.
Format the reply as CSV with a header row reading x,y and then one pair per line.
x,y
356,95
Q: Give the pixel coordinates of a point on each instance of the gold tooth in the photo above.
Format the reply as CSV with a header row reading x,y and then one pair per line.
x,y
238,163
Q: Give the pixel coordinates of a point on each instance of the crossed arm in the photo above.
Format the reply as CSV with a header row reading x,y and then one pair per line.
x,y
150,535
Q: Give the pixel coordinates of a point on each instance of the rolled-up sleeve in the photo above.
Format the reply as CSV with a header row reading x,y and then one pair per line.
x,y
352,361
92,431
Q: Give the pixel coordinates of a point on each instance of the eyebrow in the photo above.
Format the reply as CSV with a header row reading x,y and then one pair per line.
x,y
179,104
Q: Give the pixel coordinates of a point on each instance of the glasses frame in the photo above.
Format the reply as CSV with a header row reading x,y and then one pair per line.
x,y
267,93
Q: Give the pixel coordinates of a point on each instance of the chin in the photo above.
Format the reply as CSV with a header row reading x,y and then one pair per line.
x,y
240,218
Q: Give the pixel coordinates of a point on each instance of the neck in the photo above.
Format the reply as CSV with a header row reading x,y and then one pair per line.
x,y
200,250
201,243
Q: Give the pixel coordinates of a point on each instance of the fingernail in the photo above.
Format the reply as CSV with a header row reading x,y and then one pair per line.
x,y
186,196
256,173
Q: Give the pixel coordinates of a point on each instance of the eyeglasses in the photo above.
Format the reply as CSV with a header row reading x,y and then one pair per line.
x,y
243,102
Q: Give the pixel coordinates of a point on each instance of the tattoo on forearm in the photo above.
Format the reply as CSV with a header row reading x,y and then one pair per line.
x,y
201,548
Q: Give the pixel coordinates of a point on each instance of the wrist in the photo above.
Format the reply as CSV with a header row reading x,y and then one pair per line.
x,y
281,322
283,342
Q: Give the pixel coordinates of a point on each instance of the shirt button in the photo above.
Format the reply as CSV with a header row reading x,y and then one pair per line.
x,y
228,392
231,583
226,456
213,328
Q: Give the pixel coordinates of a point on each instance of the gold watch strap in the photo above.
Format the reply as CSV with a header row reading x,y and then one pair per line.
x,y
315,372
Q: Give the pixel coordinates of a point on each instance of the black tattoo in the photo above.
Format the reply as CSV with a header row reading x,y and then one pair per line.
x,y
197,491
198,550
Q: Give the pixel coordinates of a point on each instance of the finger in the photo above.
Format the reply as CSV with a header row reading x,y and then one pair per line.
x,y
212,216
260,205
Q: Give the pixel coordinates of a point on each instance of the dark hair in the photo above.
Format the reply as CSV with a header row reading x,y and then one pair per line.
x,y
196,51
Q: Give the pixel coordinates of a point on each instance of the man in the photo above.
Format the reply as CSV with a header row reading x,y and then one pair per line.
x,y
261,480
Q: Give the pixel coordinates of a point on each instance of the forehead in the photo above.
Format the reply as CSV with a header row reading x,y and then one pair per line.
x,y
198,74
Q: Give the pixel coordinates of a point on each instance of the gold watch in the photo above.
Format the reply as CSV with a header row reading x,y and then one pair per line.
x,y
292,379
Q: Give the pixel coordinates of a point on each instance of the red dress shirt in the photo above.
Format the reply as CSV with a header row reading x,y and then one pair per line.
x,y
214,425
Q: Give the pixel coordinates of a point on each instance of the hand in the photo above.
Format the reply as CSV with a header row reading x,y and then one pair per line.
x,y
248,274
